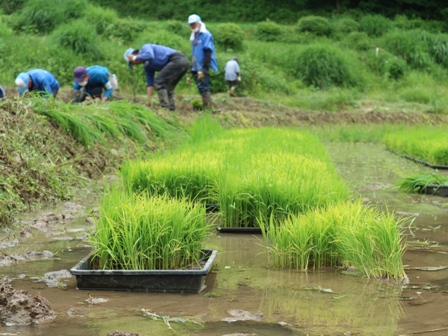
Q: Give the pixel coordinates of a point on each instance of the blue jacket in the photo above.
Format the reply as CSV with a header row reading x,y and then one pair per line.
x,y
43,81
203,41
98,77
154,58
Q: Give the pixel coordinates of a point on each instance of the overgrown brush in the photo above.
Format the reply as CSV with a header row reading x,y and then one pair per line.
x,y
137,232
229,36
324,66
342,234
268,31
375,25
317,25
42,16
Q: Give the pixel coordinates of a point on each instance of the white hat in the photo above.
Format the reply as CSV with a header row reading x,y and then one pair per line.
x,y
194,18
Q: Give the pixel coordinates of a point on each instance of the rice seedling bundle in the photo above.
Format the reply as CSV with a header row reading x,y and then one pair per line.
x,y
343,234
183,175
417,183
137,232
250,173
427,144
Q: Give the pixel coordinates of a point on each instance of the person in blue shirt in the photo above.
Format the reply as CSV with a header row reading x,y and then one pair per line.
x,y
90,82
232,75
2,92
203,57
171,65
37,80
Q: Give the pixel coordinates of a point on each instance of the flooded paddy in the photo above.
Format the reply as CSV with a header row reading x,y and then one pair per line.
x,y
242,296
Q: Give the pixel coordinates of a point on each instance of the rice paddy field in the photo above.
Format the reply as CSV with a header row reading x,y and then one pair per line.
x,y
258,284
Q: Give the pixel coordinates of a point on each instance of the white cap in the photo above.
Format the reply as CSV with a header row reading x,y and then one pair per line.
x,y
194,18
20,83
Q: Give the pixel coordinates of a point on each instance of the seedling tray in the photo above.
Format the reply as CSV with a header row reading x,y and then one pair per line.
x,y
145,280
434,166
434,189
250,230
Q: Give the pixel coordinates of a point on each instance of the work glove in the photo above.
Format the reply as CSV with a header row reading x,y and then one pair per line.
x,y
188,80
201,74
239,78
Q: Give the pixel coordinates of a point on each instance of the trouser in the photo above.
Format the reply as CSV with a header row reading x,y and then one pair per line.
x,y
93,92
168,78
232,86
2,92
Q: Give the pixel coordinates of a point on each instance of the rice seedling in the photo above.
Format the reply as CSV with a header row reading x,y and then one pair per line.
x,y
342,234
137,232
419,182
425,143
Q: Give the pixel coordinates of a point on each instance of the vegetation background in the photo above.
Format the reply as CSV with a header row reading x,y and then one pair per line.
x,y
318,55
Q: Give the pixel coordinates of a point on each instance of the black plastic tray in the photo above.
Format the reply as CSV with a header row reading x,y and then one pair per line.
x,y
253,230
434,166
148,281
434,189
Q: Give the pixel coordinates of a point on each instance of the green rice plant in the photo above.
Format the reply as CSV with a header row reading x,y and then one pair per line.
x,y
79,36
341,234
229,36
317,25
268,31
418,182
324,66
204,129
190,176
42,16
354,133
375,25
425,143
137,232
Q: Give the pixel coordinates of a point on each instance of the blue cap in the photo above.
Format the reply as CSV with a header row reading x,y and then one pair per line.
x,y
194,18
22,81
126,55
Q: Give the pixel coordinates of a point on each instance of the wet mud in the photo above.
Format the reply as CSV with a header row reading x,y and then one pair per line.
x,y
243,296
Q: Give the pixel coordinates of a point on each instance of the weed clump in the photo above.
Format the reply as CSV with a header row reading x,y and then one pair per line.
x,y
324,66
314,24
229,36
43,16
375,25
268,31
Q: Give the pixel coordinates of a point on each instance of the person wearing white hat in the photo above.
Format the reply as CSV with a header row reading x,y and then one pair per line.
x,y
37,80
232,75
203,57
171,64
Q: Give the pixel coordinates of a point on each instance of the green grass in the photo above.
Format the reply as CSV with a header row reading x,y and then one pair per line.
x,y
138,232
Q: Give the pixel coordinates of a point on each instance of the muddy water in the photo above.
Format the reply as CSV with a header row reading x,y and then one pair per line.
x,y
242,295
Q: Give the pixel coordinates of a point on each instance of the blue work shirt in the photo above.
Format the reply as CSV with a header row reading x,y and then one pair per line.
x,y
43,81
98,77
154,58
202,42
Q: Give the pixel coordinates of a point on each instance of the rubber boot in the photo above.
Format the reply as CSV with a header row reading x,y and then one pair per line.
x,y
163,98
172,104
207,103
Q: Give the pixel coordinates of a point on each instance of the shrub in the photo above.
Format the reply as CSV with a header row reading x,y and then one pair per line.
x,y
375,25
411,45
439,49
79,36
102,18
314,24
229,36
126,30
177,27
162,37
383,63
346,25
358,41
42,16
324,66
11,6
268,31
